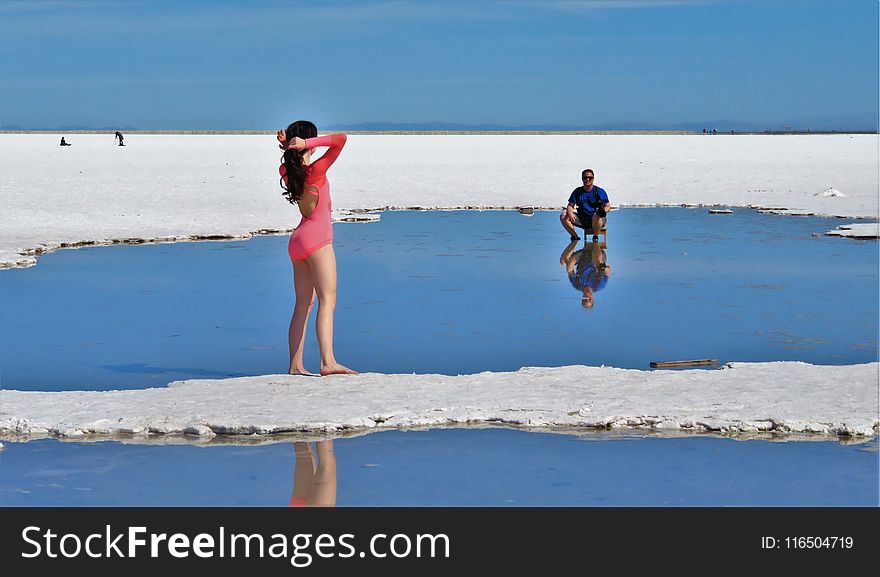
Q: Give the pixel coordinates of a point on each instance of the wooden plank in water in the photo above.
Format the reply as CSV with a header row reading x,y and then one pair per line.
x,y
673,364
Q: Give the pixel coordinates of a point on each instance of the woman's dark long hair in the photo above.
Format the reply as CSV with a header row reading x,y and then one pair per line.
x,y
292,160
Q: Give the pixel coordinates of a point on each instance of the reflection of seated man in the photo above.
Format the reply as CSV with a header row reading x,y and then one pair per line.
x,y
592,207
586,270
314,484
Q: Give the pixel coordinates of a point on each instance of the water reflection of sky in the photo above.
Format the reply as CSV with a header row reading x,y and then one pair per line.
x,y
449,292
465,467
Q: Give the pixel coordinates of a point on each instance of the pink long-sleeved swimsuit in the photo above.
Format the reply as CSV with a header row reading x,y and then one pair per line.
x,y
316,230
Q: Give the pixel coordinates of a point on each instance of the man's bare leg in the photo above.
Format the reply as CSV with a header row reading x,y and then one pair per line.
x,y
597,224
568,225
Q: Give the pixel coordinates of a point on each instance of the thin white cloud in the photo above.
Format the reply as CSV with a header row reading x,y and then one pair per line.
x,y
285,18
625,4
277,19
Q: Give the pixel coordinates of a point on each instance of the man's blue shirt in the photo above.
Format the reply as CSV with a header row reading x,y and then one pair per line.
x,y
587,202
585,275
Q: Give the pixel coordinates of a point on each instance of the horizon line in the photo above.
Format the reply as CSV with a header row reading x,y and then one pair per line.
x,y
441,132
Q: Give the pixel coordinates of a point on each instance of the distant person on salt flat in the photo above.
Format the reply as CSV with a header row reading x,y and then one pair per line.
x,y
118,136
310,248
592,207
64,142
587,270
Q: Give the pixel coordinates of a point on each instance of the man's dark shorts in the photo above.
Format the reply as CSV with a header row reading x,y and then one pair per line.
x,y
577,221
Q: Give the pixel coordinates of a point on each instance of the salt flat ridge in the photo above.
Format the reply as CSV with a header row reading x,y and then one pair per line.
x,y
778,397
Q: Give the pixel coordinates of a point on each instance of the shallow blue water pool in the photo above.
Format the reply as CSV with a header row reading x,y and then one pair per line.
x,y
458,467
450,292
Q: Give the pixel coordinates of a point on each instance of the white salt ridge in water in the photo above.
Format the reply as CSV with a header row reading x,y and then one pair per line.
x,y
782,397
177,187
864,230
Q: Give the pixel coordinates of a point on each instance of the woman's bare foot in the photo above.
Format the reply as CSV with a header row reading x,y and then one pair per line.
x,y
297,370
336,369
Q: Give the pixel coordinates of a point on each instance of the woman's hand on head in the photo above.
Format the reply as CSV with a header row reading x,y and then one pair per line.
x,y
297,143
282,139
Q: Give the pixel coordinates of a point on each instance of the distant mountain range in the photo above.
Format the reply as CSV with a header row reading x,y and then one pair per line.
x,y
843,123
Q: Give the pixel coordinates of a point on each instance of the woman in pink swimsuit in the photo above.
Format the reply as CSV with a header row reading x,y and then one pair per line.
x,y
310,247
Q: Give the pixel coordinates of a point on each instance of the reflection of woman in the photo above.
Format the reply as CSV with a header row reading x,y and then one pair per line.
x,y
314,485
311,244
587,270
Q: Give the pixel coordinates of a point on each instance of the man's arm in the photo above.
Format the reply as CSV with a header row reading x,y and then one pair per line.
x,y
606,203
572,260
605,207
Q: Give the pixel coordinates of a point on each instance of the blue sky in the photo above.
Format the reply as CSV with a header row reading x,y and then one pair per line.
x,y
257,65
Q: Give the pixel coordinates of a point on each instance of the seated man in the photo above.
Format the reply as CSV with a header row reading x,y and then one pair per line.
x,y
592,206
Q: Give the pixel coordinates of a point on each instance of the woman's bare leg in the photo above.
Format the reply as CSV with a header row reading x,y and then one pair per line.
x,y
296,333
322,264
303,471
324,488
